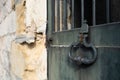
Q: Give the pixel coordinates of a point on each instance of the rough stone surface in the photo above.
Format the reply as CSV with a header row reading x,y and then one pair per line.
x,y
5,9
7,35
8,26
29,62
36,12
5,43
22,61
33,55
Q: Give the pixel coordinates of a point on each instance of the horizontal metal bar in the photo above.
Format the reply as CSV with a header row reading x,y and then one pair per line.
x,y
59,45
95,46
107,46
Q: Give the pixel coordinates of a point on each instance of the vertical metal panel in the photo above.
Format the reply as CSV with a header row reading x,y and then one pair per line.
x,y
94,12
82,11
58,15
72,26
64,14
108,11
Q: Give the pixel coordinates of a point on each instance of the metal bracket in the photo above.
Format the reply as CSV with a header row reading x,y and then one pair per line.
x,y
84,27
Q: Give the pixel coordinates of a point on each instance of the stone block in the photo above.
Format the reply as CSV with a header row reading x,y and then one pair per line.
x,y
8,25
5,9
17,61
4,61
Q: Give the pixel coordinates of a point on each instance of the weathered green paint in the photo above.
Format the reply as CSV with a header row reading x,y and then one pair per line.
x,y
106,39
107,34
106,67
49,16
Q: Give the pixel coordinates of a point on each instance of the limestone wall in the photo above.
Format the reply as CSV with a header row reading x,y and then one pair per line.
x,y
7,35
23,58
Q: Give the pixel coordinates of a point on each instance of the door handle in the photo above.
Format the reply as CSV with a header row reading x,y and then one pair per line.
x,y
81,60
83,47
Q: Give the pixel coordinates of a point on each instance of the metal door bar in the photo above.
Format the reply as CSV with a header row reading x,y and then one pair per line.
x,y
72,26
53,15
94,11
82,11
62,13
108,10
100,46
64,27
58,15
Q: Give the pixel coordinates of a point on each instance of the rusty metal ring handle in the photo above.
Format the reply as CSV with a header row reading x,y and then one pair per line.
x,y
81,60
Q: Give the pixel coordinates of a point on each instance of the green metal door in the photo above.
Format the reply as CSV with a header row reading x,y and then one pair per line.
x,y
104,37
